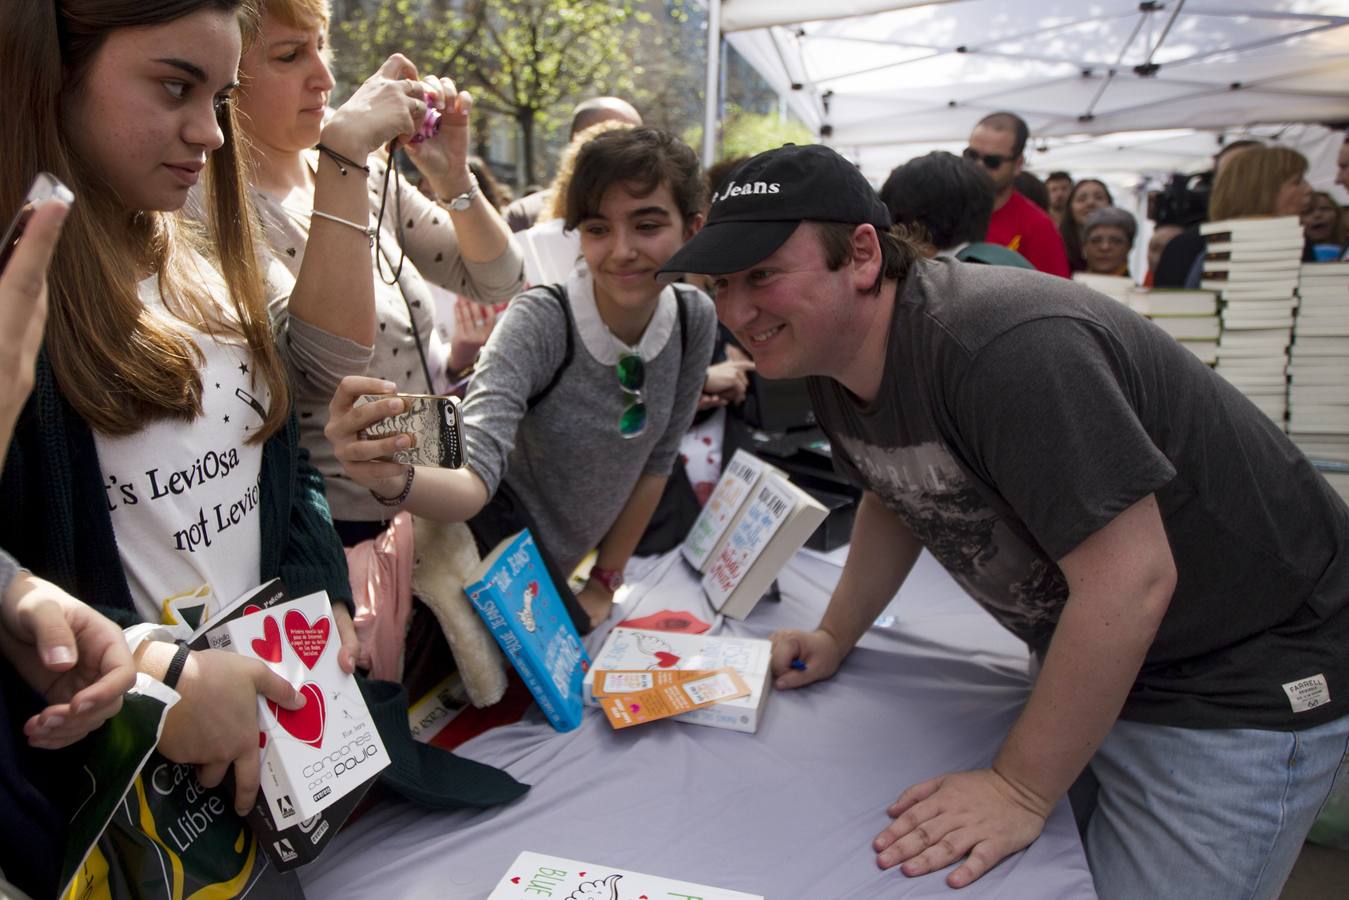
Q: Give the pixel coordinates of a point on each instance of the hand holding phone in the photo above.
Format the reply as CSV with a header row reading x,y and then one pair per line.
x,y
432,422
44,188
25,253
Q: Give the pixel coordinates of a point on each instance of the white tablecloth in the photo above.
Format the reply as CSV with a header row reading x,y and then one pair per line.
x,y
788,812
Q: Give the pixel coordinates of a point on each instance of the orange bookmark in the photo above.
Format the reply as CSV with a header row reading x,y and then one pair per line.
x,y
626,710
626,681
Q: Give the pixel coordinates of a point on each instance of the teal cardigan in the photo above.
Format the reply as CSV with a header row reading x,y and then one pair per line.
x,y
56,521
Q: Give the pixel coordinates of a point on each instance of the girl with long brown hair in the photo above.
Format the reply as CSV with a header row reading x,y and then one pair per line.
x,y
156,468
1087,196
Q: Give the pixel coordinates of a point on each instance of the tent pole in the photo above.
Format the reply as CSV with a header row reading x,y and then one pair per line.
x,y
713,92
1171,20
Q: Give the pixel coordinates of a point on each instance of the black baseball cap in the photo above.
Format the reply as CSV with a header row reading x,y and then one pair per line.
x,y
765,198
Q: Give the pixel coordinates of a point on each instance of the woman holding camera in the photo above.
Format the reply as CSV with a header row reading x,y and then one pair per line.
x,y
319,182
585,388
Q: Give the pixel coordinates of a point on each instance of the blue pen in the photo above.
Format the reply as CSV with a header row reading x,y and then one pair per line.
x,y
799,665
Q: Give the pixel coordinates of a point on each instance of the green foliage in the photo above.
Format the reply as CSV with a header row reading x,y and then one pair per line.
x,y
431,34
530,60
667,69
745,133
531,55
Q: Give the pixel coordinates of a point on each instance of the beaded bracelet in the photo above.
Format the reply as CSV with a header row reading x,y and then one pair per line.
x,y
393,502
342,161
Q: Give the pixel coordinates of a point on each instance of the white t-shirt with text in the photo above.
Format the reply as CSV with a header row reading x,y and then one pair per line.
x,y
184,496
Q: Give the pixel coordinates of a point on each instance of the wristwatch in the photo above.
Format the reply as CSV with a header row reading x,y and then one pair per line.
x,y
465,200
612,579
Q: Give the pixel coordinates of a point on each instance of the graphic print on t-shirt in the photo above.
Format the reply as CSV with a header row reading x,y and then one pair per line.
x,y
183,496
925,486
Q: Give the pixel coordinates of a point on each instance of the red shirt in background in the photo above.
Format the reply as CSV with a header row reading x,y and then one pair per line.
x,y
1022,226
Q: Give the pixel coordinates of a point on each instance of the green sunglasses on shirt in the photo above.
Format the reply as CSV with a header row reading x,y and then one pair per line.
x,y
632,378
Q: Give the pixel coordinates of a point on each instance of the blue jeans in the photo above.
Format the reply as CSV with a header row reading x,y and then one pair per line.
x,y
1200,814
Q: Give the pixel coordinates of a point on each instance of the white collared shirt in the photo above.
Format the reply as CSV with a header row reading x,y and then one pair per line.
x,y
599,341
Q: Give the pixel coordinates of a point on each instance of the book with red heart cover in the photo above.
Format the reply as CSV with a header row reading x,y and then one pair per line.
x,y
535,875
287,846
313,756
513,593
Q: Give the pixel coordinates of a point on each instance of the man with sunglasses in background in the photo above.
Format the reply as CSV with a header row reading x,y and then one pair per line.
x,y
998,143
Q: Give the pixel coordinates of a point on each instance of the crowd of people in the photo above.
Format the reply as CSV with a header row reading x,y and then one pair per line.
x,y
242,261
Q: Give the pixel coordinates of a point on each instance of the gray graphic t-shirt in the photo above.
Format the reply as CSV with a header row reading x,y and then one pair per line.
x,y
1019,414
981,549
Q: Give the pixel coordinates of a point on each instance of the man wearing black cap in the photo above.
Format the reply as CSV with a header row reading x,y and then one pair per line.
x,y
1175,564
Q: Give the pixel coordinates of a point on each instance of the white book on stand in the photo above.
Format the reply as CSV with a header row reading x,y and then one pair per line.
x,y
776,522
723,508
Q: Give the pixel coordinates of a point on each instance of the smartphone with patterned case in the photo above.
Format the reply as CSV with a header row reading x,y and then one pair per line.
x,y
432,421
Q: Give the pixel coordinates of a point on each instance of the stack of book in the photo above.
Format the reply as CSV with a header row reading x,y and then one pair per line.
x,y
750,526
1253,264
1190,317
1116,287
1318,395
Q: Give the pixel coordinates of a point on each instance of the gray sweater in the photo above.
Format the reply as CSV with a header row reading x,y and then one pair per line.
x,y
565,457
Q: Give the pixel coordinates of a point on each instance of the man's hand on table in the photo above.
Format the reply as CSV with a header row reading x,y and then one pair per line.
x,y
817,655
977,816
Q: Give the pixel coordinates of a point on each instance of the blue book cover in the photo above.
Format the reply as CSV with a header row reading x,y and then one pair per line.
x,y
512,592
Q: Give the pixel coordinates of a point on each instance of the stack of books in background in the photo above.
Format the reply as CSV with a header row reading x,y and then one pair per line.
x,y
1116,287
1190,317
1254,265
1318,395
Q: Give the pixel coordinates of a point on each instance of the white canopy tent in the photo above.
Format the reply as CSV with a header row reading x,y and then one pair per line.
x,y
1107,86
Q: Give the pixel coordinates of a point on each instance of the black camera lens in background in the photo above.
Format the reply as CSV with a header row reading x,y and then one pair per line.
x,y
1183,202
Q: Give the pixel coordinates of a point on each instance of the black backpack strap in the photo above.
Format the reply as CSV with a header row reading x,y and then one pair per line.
x,y
682,302
560,295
